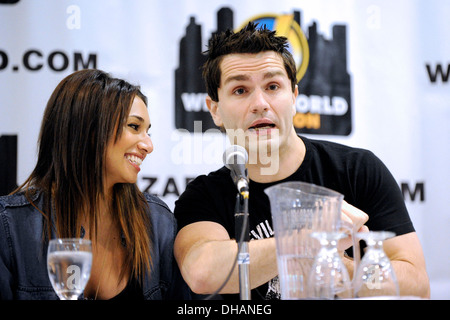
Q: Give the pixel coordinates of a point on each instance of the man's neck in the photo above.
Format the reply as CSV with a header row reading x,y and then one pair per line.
x,y
281,165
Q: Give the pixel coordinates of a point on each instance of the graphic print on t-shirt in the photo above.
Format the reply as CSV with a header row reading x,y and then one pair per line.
x,y
263,230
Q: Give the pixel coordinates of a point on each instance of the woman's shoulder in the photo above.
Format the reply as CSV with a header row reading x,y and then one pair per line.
x,y
19,199
155,201
159,210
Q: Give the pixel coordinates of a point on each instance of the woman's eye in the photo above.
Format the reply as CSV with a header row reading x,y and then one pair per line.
x,y
134,126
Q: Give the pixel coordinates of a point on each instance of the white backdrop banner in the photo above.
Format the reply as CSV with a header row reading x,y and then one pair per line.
x,y
374,74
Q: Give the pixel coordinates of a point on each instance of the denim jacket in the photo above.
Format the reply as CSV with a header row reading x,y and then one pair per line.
x,y
23,254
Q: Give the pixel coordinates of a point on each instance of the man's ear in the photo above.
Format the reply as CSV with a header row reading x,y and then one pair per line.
x,y
295,95
213,107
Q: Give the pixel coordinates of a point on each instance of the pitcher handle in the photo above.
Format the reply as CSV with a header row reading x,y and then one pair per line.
x,y
348,227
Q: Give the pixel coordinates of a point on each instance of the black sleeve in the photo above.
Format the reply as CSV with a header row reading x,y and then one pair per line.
x,y
377,193
205,199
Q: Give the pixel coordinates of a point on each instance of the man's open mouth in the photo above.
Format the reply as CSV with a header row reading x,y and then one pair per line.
x,y
262,126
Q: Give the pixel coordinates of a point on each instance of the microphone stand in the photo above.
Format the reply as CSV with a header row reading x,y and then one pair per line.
x,y
242,239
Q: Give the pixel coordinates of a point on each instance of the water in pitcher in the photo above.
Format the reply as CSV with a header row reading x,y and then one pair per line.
x,y
294,270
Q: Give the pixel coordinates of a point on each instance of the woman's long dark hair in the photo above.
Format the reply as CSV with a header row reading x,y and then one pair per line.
x,y
85,111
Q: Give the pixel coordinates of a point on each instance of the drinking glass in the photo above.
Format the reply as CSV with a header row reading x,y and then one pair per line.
x,y
329,278
375,275
69,264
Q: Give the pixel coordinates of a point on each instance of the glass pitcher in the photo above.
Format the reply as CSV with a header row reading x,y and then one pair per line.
x,y
299,209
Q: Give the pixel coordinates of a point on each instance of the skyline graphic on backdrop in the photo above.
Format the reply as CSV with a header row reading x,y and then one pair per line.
x,y
324,102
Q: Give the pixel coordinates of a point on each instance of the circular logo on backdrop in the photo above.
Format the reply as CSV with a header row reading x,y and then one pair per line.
x,y
286,26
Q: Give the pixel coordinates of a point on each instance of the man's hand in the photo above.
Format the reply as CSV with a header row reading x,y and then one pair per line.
x,y
354,217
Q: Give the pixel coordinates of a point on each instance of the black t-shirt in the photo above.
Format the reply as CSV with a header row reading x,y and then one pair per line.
x,y
356,173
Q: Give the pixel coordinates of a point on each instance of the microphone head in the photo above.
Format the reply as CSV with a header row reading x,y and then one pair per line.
x,y
235,155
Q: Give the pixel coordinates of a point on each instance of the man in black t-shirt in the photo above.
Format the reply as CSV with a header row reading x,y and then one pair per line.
x,y
251,82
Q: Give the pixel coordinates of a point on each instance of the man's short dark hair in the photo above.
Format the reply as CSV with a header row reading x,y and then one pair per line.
x,y
249,39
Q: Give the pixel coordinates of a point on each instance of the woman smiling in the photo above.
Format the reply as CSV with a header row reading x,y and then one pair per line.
x,y
93,139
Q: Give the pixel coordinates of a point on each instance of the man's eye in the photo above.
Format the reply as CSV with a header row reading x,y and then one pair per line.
x,y
239,91
273,87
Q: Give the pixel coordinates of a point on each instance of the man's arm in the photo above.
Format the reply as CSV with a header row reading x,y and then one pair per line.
x,y
406,255
404,251
205,254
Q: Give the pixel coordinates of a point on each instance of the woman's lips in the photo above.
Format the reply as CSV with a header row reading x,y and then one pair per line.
x,y
135,161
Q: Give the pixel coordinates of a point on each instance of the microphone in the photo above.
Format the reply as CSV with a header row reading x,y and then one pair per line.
x,y
235,158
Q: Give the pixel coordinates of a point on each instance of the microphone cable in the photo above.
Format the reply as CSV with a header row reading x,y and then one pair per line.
x,y
240,242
